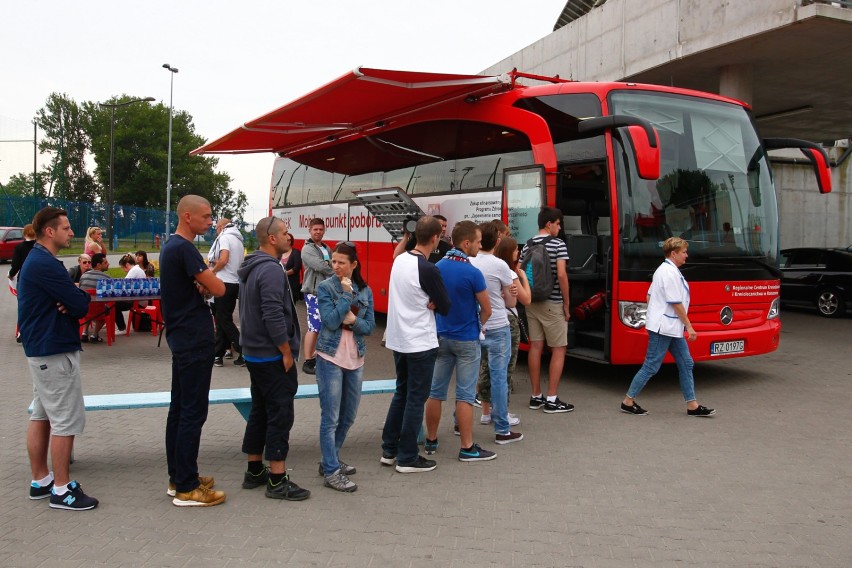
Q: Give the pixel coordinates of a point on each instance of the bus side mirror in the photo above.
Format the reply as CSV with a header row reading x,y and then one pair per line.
x,y
815,154
644,139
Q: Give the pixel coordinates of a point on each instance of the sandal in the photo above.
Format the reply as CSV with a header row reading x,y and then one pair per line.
x,y
95,339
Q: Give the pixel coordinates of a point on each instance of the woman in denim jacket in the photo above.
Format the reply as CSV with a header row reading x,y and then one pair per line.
x,y
346,309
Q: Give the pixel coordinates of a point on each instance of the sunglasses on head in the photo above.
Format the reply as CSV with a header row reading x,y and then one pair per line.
x,y
349,244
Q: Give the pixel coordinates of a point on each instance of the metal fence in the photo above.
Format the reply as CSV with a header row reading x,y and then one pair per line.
x,y
134,226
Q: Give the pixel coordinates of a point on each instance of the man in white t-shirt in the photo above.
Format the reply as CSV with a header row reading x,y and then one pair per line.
x,y
497,345
417,291
225,258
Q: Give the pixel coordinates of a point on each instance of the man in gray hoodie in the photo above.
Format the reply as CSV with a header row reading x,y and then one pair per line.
x,y
270,336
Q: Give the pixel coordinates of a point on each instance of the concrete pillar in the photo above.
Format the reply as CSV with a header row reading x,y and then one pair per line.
x,y
737,82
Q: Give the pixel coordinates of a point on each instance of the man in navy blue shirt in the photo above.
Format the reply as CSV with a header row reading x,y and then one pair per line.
x,y
49,308
185,281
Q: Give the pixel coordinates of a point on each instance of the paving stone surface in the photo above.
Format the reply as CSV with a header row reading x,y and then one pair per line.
x,y
765,483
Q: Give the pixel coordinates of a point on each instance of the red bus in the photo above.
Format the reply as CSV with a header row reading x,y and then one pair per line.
x,y
627,164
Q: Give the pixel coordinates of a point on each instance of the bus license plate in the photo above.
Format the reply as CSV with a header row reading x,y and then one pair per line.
x,y
727,347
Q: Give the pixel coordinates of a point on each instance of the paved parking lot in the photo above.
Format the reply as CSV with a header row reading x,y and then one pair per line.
x,y
764,483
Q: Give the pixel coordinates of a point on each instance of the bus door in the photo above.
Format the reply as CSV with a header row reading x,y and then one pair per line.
x,y
582,194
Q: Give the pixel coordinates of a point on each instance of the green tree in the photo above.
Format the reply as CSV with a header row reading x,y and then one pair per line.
x,y
65,138
141,157
21,185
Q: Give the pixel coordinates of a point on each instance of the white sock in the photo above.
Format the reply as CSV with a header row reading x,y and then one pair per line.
x,y
46,481
60,489
537,395
551,398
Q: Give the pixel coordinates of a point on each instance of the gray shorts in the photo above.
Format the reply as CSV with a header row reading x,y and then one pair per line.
x,y
58,392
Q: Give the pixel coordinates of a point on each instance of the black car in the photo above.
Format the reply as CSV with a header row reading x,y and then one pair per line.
x,y
816,277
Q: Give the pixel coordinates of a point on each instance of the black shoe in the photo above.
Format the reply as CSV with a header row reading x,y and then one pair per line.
x,y
310,366
387,459
39,492
83,338
537,402
217,362
239,361
250,480
419,465
229,354
286,490
73,500
475,454
634,409
701,411
557,406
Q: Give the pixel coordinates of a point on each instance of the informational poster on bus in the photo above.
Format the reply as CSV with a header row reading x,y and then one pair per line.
x,y
345,221
477,207
524,194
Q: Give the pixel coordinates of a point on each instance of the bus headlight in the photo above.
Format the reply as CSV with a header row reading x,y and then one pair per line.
x,y
774,309
632,313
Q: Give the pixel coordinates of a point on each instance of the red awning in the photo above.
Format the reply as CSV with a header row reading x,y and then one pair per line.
x,y
348,108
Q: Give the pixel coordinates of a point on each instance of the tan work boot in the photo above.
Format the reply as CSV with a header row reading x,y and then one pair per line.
x,y
207,482
199,497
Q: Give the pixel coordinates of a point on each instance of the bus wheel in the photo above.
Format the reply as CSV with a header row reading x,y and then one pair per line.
x,y
830,303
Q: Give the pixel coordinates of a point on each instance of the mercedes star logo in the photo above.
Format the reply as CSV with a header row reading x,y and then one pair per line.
x,y
726,316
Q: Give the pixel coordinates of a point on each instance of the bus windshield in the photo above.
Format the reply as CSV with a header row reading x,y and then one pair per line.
x,y
715,190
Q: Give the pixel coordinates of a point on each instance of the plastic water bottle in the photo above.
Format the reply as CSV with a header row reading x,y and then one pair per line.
x,y
99,288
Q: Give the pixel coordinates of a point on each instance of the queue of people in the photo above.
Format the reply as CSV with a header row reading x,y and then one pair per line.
x,y
456,316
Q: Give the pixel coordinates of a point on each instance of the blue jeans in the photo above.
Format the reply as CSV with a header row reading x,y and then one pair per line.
x,y
191,374
463,356
339,394
498,347
657,347
405,414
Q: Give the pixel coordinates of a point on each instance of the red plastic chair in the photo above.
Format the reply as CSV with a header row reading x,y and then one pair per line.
x,y
100,311
153,311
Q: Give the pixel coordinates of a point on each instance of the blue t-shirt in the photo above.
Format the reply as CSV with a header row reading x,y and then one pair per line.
x,y
463,282
187,317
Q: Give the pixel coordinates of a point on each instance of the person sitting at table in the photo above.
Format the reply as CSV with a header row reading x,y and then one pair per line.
x,y
89,281
142,262
131,270
84,264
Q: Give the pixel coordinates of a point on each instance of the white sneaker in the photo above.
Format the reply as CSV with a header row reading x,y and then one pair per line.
x,y
514,420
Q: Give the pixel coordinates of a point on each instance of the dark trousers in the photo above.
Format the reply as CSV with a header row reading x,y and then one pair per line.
x,y
405,414
120,308
272,412
191,372
223,312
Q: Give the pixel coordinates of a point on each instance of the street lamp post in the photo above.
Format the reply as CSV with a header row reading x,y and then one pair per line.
x,y
113,106
172,70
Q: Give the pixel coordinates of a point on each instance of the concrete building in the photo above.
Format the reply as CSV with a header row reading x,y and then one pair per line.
x,y
791,60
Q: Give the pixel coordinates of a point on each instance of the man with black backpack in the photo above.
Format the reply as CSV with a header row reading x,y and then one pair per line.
x,y
545,260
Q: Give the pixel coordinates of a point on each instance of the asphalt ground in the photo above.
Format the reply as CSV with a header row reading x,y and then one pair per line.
x,y
764,483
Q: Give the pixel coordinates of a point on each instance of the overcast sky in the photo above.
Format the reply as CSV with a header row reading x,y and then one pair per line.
x,y
237,60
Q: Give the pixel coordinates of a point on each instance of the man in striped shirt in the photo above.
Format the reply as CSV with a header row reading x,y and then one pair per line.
x,y
548,320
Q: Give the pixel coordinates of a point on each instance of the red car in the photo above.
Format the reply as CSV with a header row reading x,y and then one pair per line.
x,y
10,237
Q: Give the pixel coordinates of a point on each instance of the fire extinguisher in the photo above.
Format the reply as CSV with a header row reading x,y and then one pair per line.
x,y
589,307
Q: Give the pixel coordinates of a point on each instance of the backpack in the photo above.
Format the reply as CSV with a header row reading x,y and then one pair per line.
x,y
539,272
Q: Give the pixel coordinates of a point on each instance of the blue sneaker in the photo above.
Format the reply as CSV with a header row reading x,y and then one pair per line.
x,y
475,454
430,447
39,492
73,500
